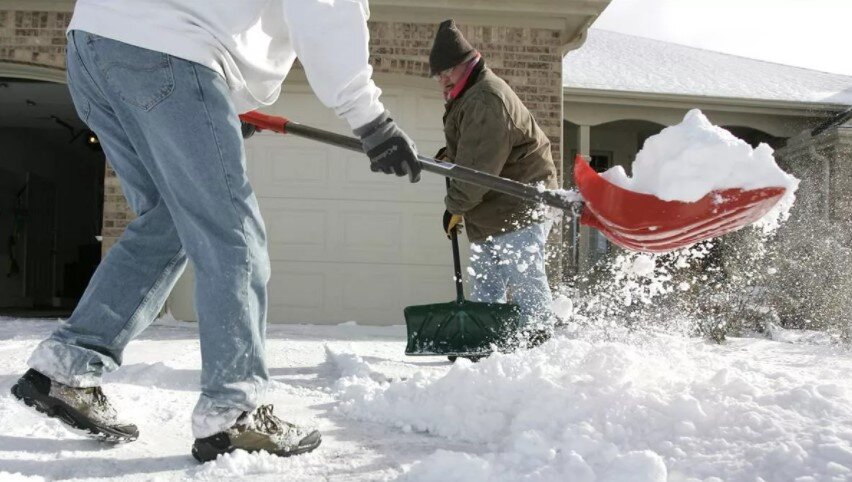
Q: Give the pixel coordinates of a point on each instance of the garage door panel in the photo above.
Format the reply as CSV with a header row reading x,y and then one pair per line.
x,y
371,290
295,289
362,183
274,167
282,170
399,233
359,182
298,231
298,166
371,233
427,238
357,231
305,172
424,122
291,236
394,102
372,294
298,103
433,286
360,231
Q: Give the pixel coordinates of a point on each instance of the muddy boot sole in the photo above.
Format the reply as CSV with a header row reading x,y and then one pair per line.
x,y
25,391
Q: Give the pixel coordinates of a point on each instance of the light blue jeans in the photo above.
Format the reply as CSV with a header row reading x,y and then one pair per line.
x,y
514,263
170,132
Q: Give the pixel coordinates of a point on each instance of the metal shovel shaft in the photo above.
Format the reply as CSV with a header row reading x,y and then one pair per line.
x,y
557,199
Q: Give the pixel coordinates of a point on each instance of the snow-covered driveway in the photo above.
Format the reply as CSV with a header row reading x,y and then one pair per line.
x,y
644,407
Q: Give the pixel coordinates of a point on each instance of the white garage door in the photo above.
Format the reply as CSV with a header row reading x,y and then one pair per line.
x,y
347,243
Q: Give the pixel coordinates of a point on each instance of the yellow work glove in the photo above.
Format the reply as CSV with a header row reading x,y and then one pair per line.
x,y
452,221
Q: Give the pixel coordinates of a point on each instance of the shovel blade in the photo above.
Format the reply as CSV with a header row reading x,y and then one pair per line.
x,y
646,223
460,328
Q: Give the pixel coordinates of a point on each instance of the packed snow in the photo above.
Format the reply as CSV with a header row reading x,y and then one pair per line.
x,y
641,406
687,161
690,160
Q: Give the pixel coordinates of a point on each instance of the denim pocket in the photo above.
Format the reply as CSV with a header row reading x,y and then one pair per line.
x,y
141,77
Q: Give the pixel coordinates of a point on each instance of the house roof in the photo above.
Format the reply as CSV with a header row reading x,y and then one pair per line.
x,y
619,62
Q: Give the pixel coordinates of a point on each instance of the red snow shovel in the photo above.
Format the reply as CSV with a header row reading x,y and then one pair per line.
x,y
635,221
642,222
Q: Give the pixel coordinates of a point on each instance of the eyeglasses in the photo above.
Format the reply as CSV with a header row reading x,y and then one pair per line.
x,y
444,73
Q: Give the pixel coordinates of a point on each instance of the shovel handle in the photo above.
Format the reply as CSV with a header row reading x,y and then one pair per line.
x,y
557,199
454,238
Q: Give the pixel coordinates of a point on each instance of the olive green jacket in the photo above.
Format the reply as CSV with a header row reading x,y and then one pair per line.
x,y
488,128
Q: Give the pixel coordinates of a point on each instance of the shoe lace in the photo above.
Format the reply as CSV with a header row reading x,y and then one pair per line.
x,y
98,396
265,419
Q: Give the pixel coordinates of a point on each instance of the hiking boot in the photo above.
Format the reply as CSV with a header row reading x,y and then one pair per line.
x,y
256,431
84,409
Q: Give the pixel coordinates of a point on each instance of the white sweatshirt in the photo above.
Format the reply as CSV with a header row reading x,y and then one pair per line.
x,y
253,43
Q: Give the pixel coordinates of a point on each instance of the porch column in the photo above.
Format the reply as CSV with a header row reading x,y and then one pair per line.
x,y
584,235
584,143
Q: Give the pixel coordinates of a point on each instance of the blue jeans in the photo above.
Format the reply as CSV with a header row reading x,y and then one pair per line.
x,y
514,262
170,132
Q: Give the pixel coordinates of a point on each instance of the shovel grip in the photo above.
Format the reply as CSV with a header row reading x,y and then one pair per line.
x,y
266,122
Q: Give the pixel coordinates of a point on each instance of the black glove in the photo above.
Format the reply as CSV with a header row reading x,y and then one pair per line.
x,y
248,129
390,150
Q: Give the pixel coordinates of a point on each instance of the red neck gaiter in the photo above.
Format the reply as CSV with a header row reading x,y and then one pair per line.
x,y
463,81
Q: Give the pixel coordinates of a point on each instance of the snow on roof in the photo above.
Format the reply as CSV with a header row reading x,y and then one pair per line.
x,y
615,61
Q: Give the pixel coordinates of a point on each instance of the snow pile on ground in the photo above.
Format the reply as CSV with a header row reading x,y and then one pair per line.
x,y
687,161
645,408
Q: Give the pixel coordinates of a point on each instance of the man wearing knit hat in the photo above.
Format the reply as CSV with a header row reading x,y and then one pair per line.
x,y
488,128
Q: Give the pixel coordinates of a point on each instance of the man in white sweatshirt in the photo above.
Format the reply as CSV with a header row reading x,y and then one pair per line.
x,y
162,82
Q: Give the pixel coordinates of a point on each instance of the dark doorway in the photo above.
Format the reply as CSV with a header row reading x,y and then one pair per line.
x,y
51,200
754,137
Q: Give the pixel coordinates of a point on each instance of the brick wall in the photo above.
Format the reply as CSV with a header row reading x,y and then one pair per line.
x,y
117,214
528,59
823,163
33,38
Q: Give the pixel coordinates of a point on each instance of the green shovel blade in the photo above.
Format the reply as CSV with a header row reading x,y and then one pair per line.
x,y
460,328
